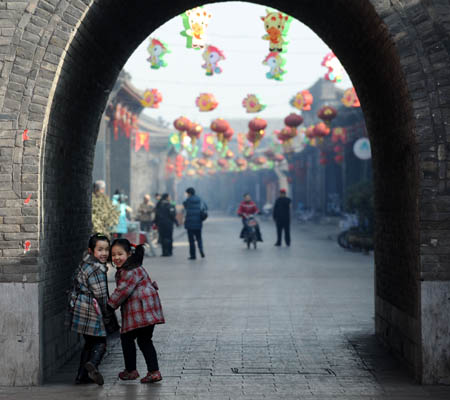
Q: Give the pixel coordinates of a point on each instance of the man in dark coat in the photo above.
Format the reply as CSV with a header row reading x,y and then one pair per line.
x,y
165,219
194,209
282,217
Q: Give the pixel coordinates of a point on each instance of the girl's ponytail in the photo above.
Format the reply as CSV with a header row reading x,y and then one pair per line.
x,y
138,255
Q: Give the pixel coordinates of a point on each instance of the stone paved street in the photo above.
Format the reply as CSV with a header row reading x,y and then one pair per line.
x,y
271,323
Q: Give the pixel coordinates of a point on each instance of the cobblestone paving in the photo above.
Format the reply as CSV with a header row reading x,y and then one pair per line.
x,y
271,323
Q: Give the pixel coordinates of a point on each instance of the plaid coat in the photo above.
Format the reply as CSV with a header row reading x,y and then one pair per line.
x,y
138,299
93,284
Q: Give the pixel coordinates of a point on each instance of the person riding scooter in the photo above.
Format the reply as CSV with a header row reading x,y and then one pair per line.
x,y
247,208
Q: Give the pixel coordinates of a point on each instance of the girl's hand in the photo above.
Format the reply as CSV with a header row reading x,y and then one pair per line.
x,y
155,285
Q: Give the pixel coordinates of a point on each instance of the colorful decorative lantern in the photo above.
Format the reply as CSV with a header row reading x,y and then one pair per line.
x,y
208,153
338,149
275,62
206,102
212,55
223,163
339,158
309,133
242,163
220,125
276,25
257,124
350,98
278,158
157,50
252,104
255,137
151,98
339,134
327,114
182,124
190,172
229,154
335,69
293,120
194,132
302,100
320,131
323,158
195,22
260,160
202,162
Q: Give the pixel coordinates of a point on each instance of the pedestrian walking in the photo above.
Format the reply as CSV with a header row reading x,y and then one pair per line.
x,y
165,219
120,201
282,218
88,313
145,213
140,306
196,212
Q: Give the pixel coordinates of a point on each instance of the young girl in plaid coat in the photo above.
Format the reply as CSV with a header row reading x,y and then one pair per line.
x,y
141,310
88,301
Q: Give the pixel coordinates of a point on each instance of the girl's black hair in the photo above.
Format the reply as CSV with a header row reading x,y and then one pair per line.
x,y
136,257
98,237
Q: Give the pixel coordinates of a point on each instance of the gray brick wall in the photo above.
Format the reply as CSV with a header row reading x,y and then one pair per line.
x,y
397,53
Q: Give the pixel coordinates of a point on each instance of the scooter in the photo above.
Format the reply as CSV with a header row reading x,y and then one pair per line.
x,y
250,236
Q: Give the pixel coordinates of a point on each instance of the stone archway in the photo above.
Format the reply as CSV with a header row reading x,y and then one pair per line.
x,y
59,60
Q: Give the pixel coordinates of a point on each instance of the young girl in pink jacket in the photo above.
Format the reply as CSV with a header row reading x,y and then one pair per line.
x,y
140,306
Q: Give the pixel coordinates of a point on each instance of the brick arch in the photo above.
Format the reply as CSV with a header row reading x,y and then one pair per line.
x,y
60,61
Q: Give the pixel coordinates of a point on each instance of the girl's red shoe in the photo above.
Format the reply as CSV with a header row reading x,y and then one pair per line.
x,y
152,377
128,376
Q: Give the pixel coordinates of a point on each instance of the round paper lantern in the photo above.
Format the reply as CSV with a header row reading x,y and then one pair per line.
x,y
309,133
223,163
228,134
260,160
339,134
182,124
339,158
202,162
278,158
242,163
208,153
194,132
321,130
338,149
327,114
257,124
220,125
229,154
293,120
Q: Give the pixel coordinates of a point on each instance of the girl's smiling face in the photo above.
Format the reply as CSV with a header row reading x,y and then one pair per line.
x,y
101,251
119,255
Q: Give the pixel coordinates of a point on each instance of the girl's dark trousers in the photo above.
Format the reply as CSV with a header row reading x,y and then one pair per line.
x,y
145,343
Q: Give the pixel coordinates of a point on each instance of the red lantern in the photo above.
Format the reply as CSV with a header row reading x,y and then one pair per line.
x,y
339,158
208,153
286,134
339,135
260,160
323,158
293,120
278,158
223,163
309,133
182,124
338,149
194,132
255,137
202,162
228,134
321,130
327,114
220,125
257,124
242,163
229,154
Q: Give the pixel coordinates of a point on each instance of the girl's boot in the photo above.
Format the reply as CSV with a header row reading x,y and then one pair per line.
x,y
97,353
82,376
